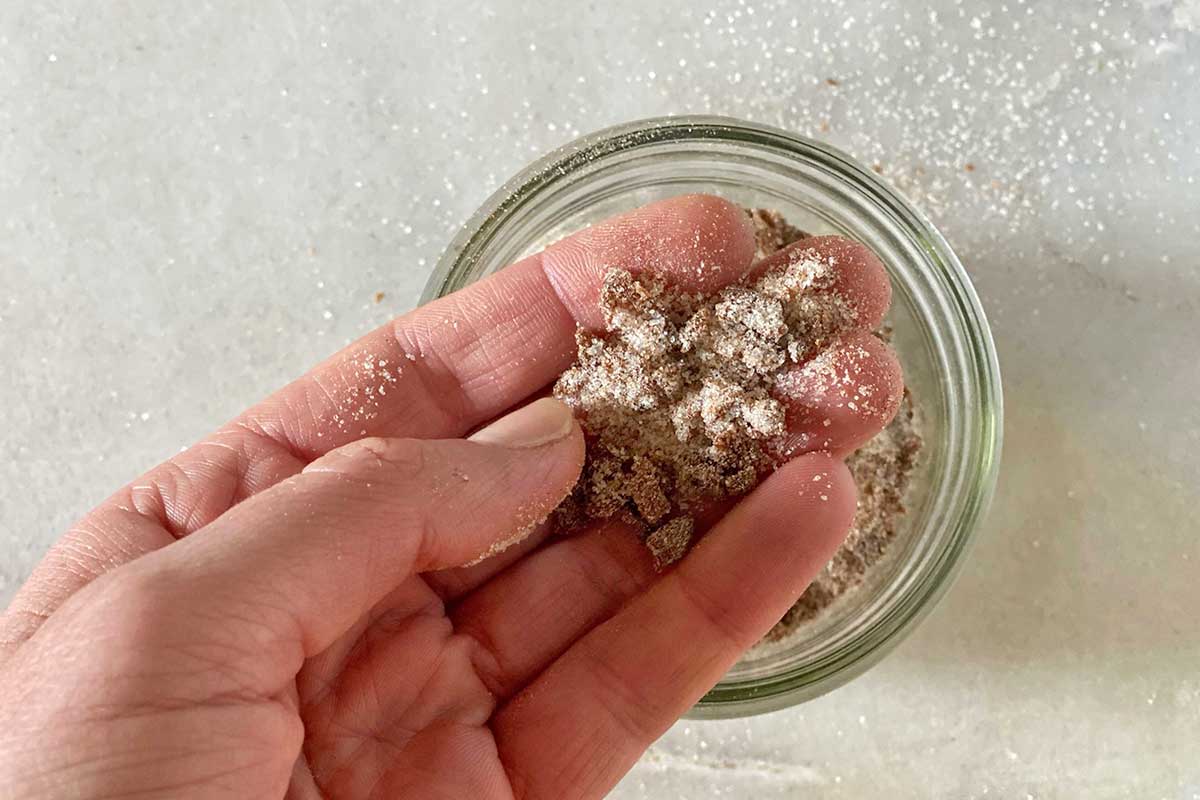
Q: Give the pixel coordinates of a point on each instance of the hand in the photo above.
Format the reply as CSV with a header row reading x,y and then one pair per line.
x,y
283,609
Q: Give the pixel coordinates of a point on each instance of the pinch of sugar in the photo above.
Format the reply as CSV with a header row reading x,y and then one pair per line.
x,y
677,394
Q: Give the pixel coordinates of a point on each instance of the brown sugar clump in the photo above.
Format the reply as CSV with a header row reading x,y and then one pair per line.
x,y
772,232
676,395
670,543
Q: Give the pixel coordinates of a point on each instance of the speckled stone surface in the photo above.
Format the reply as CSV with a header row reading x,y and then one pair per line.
x,y
198,200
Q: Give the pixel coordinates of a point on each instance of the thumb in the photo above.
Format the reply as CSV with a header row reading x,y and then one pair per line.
x,y
308,557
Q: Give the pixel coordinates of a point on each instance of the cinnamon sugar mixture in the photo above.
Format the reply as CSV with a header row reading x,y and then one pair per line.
x,y
678,395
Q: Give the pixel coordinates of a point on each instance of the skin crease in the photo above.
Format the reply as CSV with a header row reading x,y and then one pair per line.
x,y
281,610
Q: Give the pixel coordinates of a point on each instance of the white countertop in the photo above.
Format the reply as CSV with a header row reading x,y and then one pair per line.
x,y
197,201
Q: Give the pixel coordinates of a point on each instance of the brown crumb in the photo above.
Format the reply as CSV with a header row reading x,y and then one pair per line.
x,y
824,126
877,168
772,232
379,297
833,82
969,167
670,543
646,490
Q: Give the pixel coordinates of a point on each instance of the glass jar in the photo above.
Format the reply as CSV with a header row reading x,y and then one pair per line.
x,y
940,334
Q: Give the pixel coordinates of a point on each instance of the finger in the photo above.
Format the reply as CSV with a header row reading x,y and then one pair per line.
x,y
840,399
437,372
298,565
456,581
528,615
584,721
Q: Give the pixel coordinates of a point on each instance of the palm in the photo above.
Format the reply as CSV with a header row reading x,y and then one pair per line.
x,y
399,707
403,704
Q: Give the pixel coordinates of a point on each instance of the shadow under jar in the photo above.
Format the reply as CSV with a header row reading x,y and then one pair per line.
x,y
940,334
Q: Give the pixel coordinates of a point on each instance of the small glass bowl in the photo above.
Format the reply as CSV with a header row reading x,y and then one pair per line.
x,y
940,333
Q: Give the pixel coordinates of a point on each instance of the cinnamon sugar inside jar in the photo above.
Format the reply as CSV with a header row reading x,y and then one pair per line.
x,y
939,333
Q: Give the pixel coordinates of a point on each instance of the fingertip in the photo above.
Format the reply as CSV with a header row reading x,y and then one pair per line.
x,y
819,489
545,424
861,277
814,483
521,488
772,544
540,422
843,397
790,526
721,246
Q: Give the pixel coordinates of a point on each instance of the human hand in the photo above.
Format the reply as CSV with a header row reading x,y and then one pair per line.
x,y
283,609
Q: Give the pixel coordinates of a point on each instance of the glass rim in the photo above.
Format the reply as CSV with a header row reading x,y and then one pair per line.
x,y
982,436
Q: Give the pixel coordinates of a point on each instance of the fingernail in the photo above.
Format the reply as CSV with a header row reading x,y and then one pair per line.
x,y
541,422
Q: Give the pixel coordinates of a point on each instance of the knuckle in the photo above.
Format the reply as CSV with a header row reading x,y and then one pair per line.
x,y
630,710
132,602
485,660
403,457
720,623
